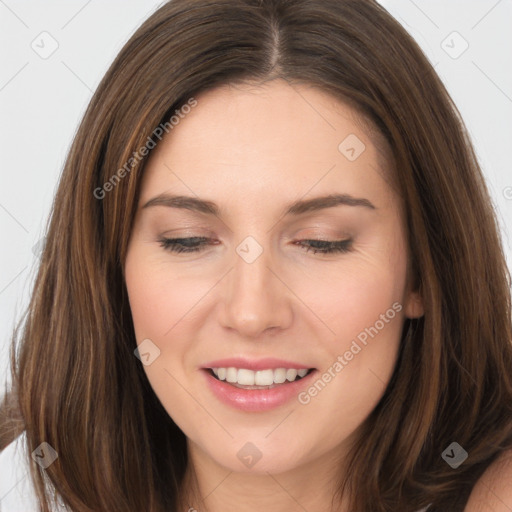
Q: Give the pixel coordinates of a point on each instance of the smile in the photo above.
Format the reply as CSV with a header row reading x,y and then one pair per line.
x,y
256,386
244,378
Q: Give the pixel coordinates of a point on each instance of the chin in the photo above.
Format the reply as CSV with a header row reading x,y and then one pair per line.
x,y
258,458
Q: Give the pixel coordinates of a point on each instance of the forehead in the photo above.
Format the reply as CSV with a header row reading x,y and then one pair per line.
x,y
268,137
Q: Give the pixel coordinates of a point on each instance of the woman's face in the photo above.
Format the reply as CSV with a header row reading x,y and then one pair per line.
x,y
241,178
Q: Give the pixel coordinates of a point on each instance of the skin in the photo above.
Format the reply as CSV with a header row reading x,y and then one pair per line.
x,y
253,150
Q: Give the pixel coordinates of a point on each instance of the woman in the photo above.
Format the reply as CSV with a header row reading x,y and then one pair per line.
x,y
273,278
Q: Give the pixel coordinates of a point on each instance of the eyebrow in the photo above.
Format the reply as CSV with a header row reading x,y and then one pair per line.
x,y
296,208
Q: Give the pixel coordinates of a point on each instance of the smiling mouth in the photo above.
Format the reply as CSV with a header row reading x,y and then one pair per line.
x,y
243,378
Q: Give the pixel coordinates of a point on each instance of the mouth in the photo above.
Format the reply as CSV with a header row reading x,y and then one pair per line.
x,y
243,378
256,385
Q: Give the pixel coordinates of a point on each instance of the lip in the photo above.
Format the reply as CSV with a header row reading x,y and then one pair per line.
x,y
268,363
256,400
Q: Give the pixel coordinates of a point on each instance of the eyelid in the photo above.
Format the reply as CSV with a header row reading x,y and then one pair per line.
x,y
323,232
197,244
192,231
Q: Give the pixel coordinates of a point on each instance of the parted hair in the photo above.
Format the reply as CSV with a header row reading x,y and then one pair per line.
x,y
76,383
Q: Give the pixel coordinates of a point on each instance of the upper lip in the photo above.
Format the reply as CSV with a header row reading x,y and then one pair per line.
x,y
266,363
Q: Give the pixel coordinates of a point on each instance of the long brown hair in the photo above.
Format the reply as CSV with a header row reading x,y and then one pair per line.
x,y
76,381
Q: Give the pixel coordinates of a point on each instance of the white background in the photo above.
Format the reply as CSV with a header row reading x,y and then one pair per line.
x,y
42,101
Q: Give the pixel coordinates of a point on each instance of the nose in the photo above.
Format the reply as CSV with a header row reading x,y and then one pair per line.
x,y
254,298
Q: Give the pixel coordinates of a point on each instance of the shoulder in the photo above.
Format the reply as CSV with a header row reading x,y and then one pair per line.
x,y
493,491
16,493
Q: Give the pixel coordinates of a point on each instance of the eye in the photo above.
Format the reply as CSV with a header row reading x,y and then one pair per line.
x,y
326,246
197,243
191,244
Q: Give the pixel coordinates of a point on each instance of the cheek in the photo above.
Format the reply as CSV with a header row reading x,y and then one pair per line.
x,y
366,320
166,309
156,310
352,297
159,304
159,299
362,306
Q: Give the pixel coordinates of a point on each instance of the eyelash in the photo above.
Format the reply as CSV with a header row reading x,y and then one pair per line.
x,y
182,245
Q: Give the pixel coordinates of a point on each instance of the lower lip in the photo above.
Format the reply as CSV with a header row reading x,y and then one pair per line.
x,y
255,400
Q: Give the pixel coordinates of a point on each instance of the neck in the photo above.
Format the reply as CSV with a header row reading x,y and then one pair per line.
x,y
210,487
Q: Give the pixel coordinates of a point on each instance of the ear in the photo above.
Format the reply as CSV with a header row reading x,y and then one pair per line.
x,y
414,305
413,298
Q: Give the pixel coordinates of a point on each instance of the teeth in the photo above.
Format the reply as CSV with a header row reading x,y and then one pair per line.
x,y
268,377
231,374
279,375
291,375
245,377
263,377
